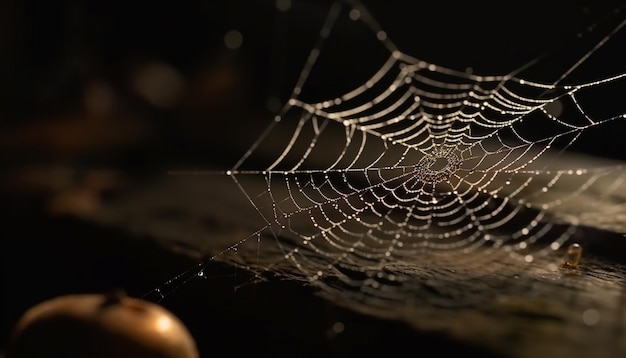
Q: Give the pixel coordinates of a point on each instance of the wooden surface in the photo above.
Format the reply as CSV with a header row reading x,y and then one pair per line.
x,y
507,307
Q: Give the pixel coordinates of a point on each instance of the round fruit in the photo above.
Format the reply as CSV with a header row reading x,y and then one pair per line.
x,y
98,326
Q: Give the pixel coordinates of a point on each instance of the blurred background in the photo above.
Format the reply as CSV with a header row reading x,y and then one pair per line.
x,y
98,98
150,85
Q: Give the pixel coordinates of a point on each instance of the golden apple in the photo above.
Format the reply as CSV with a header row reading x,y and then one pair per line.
x,y
98,326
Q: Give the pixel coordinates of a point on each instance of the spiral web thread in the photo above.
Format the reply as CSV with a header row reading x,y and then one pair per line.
x,y
419,166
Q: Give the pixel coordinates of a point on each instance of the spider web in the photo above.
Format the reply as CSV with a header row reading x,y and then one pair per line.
x,y
422,168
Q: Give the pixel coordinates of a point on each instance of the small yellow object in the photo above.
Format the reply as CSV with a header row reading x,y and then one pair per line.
x,y
573,255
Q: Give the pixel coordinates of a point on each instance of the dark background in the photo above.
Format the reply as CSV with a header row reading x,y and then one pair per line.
x,y
58,58
55,53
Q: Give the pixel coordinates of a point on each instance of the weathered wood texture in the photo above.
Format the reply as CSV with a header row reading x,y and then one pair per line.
x,y
509,307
